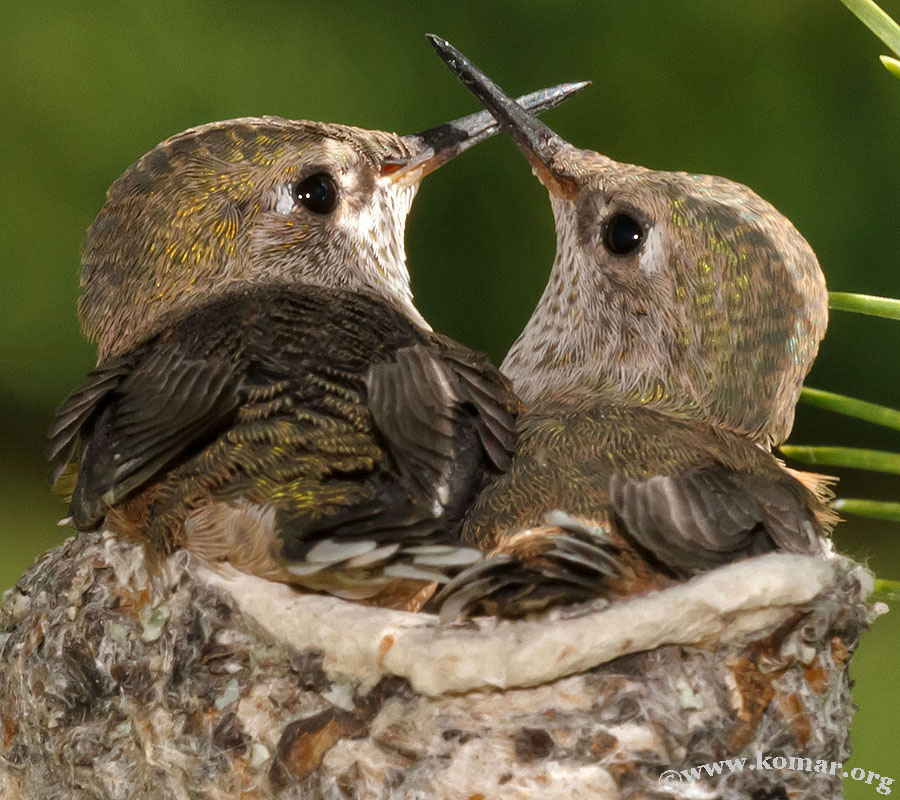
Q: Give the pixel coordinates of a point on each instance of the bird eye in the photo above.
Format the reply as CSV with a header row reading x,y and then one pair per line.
x,y
623,234
317,193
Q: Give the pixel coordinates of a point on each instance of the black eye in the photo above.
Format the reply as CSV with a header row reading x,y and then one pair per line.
x,y
623,234
317,193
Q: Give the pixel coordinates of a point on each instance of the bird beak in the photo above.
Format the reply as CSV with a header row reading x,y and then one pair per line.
x,y
435,147
540,145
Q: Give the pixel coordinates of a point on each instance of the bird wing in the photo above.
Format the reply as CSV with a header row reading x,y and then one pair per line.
x,y
132,419
706,516
360,439
378,466
429,405
669,497
75,413
482,387
696,520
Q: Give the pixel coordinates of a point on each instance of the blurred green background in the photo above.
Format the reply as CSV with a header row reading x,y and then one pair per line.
x,y
786,97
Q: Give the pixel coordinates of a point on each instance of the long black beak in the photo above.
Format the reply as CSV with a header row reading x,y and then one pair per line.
x,y
540,144
436,146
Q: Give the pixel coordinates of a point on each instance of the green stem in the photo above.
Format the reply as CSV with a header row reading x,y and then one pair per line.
x,y
877,21
869,508
892,65
851,407
875,460
865,304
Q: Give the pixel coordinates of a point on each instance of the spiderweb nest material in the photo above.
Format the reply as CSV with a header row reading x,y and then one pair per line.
x,y
121,683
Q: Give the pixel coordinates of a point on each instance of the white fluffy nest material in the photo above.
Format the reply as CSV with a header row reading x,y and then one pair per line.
x,y
196,684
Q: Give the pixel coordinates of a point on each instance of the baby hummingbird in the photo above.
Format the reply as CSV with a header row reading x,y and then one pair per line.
x,y
663,361
266,392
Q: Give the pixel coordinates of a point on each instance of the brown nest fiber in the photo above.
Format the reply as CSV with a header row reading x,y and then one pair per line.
x,y
119,683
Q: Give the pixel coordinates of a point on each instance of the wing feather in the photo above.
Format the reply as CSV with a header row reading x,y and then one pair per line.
x,y
166,404
705,517
429,404
76,412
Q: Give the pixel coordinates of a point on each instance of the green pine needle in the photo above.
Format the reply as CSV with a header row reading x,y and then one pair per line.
x,y
851,407
875,460
868,508
876,21
865,304
892,65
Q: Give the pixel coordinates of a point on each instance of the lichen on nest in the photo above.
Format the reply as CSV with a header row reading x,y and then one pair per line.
x,y
123,683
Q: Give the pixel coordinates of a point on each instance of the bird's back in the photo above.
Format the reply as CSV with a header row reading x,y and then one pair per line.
x,y
611,499
293,425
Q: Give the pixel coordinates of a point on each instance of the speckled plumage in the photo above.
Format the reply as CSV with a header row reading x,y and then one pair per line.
x,y
211,206
717,317
662,497
655,381
249,431
266,392
572,454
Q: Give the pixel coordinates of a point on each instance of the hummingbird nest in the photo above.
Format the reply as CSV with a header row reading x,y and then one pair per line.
x,y
122,682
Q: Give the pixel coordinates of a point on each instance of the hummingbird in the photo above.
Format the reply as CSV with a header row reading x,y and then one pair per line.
x,y
266,392
661,365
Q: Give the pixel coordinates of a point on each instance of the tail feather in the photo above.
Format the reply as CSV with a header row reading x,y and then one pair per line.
x,y
565,561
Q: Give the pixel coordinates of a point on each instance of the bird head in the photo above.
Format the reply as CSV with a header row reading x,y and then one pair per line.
x,y
261,200
687,292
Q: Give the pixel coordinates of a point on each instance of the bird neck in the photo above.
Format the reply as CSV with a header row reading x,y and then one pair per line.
x,y
377,261
582,340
